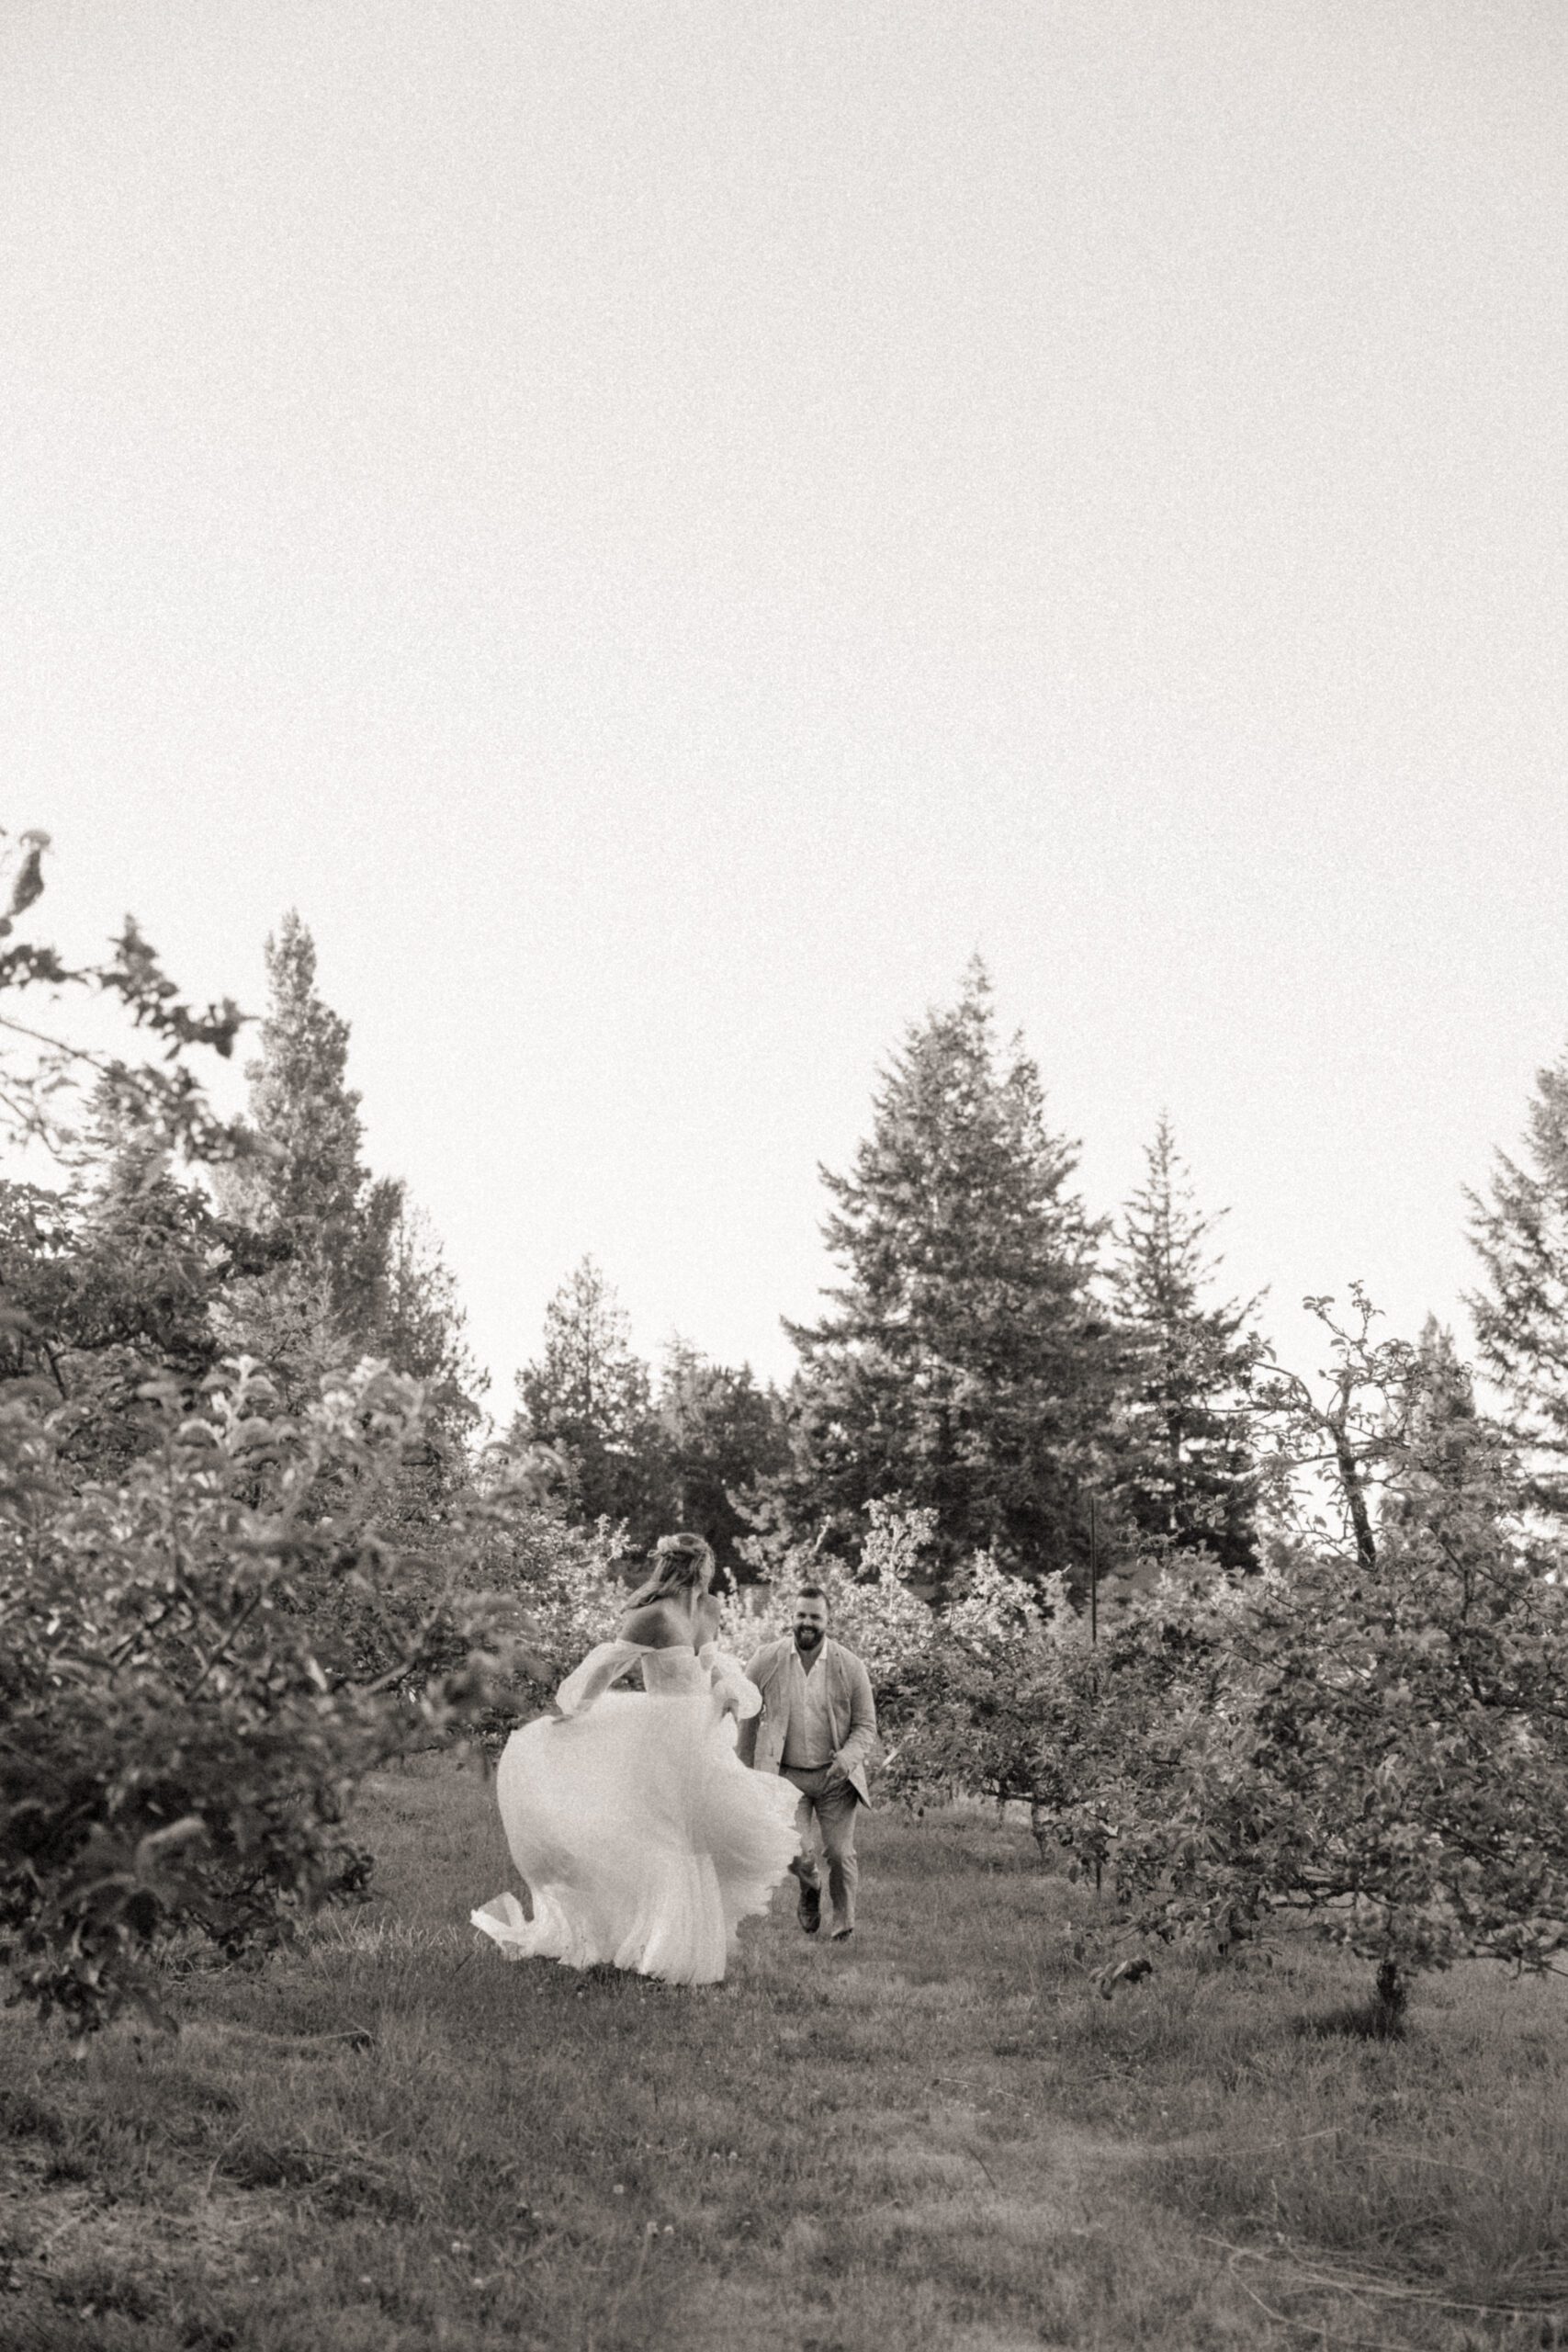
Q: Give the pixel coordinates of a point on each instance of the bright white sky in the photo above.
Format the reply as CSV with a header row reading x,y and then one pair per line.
x,y
662,529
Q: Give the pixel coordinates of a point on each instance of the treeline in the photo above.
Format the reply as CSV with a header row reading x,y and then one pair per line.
x,y
1035,1378
993,1354
1040,1381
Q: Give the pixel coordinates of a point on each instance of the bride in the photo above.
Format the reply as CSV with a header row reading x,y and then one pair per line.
x,y
643,1839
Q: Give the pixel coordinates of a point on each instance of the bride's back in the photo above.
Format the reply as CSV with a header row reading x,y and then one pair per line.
x,y
668,1625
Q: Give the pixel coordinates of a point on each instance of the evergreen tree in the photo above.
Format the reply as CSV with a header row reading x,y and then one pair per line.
x,y
308,1185
424,1322
114,1281
589,1398
966,1367
723,1435
1520,1233
1441,1442
1186,1471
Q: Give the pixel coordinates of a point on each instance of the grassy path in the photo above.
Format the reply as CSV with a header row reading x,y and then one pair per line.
x,y
391,2140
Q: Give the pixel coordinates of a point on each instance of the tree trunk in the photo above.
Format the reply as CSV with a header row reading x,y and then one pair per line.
x,y
1390,1996
1355,1498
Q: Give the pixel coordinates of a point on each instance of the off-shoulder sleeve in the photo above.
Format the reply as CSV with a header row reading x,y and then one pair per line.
x,y
732,1687
593,1677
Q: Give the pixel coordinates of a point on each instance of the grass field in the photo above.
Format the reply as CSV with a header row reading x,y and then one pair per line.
x,y
388,2139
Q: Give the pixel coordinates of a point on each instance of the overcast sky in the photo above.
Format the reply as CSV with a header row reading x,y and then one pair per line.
x,y
662,529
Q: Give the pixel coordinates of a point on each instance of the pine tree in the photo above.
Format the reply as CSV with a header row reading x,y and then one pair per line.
x,y
310,1181
1520,1233
423,1328
307,1188
1441,1435
589,1398
114,1281
723,1436
966,1367
1186,1474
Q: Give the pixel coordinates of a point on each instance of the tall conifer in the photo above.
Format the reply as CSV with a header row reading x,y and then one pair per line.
x,y
589,1397
424,1326
358,1269
964,1366
1186,1472
310,1182
723,1436
1520,1233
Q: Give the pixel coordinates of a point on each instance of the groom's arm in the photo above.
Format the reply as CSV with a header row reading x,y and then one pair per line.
x,y
862,1734
746,1733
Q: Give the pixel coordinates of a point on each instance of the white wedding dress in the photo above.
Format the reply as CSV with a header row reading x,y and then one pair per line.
x,y
643,1839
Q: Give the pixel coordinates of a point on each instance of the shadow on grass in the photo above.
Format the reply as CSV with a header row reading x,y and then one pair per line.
x,y
1368,2020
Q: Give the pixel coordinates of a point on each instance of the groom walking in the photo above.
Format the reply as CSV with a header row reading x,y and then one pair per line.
x,y
816,1726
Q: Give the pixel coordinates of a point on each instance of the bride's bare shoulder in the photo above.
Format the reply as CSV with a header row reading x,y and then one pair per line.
x,y
655,1626
706,1624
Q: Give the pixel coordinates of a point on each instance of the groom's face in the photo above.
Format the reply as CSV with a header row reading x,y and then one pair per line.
x,y
810,1625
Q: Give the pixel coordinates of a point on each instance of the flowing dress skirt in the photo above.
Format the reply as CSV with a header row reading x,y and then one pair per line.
x,y
643,1839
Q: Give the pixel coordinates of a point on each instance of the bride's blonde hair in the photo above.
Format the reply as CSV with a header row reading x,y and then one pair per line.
x,y
679,1562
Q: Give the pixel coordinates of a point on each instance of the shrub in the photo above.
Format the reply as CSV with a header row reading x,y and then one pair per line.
x,y
175,1755
873,1611
1375,1734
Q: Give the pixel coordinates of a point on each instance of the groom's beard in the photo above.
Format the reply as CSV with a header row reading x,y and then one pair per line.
x,y
806,1639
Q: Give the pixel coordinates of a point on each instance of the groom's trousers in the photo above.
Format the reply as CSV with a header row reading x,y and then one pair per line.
x,y
834,1810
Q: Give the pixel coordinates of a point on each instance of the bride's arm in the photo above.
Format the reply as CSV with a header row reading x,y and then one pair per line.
x,y
733,1689
593,1677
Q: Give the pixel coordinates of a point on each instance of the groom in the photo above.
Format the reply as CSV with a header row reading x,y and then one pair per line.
x,y
816,1726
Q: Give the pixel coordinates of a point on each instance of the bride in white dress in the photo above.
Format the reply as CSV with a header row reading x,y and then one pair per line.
x,y
642,1838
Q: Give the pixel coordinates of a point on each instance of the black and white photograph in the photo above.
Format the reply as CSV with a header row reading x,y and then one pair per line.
x,y
784,1175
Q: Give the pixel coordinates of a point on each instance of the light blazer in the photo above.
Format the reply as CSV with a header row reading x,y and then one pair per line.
x,y
852,1710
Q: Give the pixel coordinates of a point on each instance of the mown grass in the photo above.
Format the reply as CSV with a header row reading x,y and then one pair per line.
x,y
942,2138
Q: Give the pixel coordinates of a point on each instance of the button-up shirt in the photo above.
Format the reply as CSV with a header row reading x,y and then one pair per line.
x,y
809,1742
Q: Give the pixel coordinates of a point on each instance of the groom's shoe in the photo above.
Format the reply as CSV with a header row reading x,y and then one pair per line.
x,y
808,1909
843,1935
